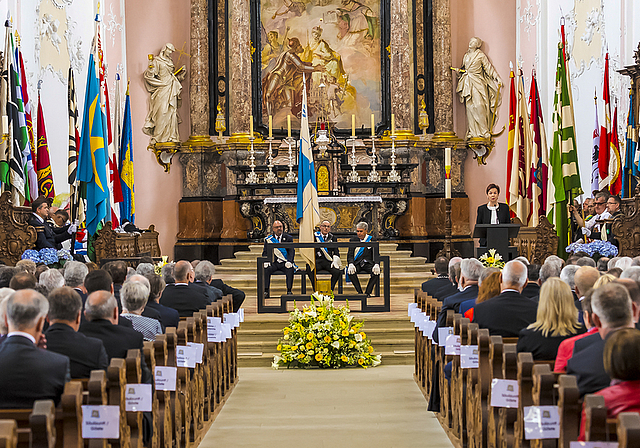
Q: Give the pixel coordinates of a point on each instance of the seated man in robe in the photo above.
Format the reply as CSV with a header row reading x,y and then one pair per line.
x,y
360,259
281,260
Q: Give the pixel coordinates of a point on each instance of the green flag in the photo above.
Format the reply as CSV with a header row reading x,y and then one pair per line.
x,y
565,177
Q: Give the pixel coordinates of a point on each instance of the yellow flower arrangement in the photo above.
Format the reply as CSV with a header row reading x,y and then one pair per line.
x,y
324,335
492,260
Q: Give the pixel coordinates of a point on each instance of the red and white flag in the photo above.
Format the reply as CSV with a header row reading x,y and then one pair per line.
x,y
518,174
539,164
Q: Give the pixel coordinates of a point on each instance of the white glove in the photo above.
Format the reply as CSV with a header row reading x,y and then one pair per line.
x,y
336,263
351,269
585,231
375,270
72,228
288,265
266,264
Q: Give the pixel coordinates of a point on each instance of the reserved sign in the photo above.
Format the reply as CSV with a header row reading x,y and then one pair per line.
x,y
504,393
452,345
214,329
469,357
138,398
199,350
541,422
443,334
100,422
186,356
165,378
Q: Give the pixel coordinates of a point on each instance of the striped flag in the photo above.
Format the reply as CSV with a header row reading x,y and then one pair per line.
x,y
77,211
595,154
615,165
307,210
5,145
31,154
45,176
128,204
609,163
629,179
512,161
539,166
519,201
565,184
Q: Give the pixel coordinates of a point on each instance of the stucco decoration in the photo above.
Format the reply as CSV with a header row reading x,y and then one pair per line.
x,y
61,3
49,26
587,35
74,46
530,16
112,26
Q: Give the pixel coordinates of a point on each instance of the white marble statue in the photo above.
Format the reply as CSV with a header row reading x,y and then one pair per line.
x,y
479,88
163,83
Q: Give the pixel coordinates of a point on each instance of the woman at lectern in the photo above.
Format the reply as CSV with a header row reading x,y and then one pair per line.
x,y
492,212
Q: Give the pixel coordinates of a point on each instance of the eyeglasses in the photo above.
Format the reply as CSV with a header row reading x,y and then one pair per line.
x,y
600,203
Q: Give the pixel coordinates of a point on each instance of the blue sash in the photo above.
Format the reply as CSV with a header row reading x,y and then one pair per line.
x,y
320,238
360,250
280,252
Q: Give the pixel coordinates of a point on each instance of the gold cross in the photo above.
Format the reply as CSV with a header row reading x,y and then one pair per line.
x,y
181,52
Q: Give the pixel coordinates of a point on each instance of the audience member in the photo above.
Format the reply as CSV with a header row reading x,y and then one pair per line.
x,y
22,280
91,266
634,293
134,295
203,273
167,273
611,311
183,296
621,359
612,262
635,261
169,317
118,271
85,354
603,264
100,280
47,235
547,271
29,373
237,295
50,280
489,287
565,350
441,267
532,289
454,276
147,311
624,262
567,275
4,295
74,274
508,313
586,261
523,260
616,272
27,266
144,268
6,274
632,272
556,261
584,279
40,269
557,320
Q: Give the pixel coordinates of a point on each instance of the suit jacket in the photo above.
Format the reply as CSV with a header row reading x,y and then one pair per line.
x,y
29,373
543,348
152,313
331,251
47,237
506,314
453,303
432,286
185,299
236,294
169,316
211,292
445,291
85,354
587,364
531,291
291,253
484,214
367,254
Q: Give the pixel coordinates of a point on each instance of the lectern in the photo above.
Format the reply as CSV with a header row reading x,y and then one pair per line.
x,y
497,236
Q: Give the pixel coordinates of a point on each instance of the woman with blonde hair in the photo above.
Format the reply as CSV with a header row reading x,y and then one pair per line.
x,y
557,320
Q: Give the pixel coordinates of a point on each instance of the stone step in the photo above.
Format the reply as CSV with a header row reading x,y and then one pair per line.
x,y
256,359
251,262
386,335
276,322
395,269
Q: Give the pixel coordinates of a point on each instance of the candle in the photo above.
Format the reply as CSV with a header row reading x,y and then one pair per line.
x,y
393,124
5,124
250,125
373,125
353,125
447,157
270,126
447,173
288,125
447,188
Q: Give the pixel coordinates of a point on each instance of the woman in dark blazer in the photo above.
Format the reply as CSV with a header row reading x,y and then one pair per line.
x,y
492,212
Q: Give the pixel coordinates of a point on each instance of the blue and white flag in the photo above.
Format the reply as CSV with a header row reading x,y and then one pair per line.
x,y
308,211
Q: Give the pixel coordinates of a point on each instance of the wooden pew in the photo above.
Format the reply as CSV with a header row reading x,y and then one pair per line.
x,y
543,395
133,375
42,424
186,332
597,428
570,409
628,430
185,388
458,383
200,337
97,395
496,348
525,396
8,434
116,383
480,396
445,389
471,379
169,360
153,352
158,422
507,416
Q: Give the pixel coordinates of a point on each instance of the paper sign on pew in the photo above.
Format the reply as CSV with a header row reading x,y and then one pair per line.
x,y
541,422
232,319
186,356
443,333
593,445
241,313
199,350
214,329
504,393
469,358
226,331
100,422
411,307
165,378
138,398
416,313
452,345
429,327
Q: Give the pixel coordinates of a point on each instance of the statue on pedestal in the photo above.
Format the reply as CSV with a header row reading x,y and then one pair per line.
x,y
479,89
163,83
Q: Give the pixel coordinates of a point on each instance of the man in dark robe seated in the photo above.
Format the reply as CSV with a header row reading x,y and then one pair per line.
x,y
48,236
29,373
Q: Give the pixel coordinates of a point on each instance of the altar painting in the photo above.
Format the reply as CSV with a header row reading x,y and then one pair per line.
x,y
336,45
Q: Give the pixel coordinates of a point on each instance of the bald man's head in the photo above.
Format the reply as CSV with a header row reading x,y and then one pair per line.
x,y
101,305
277,228
183,272
585,278
25,311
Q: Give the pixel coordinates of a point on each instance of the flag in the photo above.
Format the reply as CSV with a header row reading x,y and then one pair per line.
x,y
76,210
606,166
115,189
629,178
539,165
308,211
45,176
17,129
565,184
595,154
521,155
615,165
92,157
5,145
511,163
128,204
31,154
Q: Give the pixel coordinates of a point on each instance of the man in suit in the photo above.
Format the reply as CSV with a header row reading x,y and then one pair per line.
x,y
168,316
327,259
47,236
101,322
360,259
74,274
237,295
281,260
508,313
568,275
612,310
584,279
203,273
29,373
532,289
451,287
85,354
118,271
442,279
100,280
183,296
470,270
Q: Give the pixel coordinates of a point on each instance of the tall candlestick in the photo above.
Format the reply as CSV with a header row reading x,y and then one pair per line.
x,y
373,125
288,125
447,173
270,126
393,124
250,125
353,125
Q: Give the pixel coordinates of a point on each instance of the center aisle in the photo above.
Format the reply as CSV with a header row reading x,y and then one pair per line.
x,y
376,407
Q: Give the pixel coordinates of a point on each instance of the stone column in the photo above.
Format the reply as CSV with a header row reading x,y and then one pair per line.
x,y
442,75
401,65
199,69
240,46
